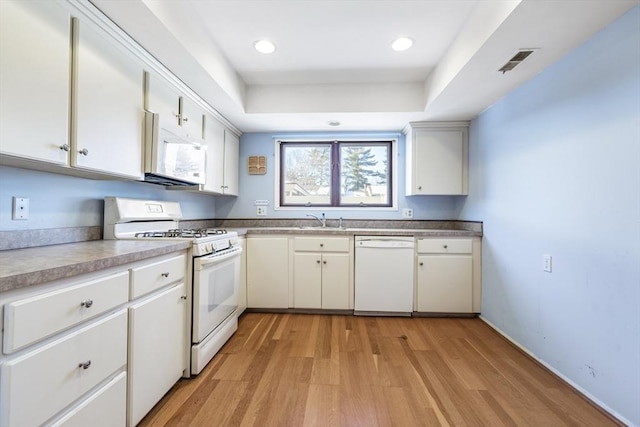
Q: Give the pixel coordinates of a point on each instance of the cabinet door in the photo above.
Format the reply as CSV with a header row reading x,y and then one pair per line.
x,y
107,407
34,106
163,99
445,284
156,349
242,293
192,118
335,281
231,157
438,162
108,105
268,272
214,138
307,280
40,383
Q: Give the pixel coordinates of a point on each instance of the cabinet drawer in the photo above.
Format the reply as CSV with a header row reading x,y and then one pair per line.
x,y
321,244
157,275
39,384
105,408
31,319
445,246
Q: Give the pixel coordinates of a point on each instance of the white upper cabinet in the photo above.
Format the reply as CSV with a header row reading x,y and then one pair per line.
x,y
178,113
214,138
34,82
222,158
163,99
108,108
231,159
437,158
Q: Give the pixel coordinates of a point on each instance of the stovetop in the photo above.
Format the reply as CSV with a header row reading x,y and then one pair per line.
x,y
184,233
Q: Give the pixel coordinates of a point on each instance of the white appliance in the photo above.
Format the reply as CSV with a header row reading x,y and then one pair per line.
x,y
215,267
170,158
384,275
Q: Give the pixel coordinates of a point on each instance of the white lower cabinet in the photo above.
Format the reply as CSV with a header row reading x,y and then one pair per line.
x,y
104,408
321,280
445,279
98,349
268,272
156,344
36,385
242,293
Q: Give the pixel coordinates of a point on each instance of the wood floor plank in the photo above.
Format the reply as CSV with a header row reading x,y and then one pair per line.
x,y
321,370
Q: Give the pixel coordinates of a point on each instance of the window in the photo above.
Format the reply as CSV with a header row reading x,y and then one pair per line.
x,y
336,173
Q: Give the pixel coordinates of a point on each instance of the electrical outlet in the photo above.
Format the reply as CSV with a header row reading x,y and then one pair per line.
x,y
20,208
546,263
261,210
407,213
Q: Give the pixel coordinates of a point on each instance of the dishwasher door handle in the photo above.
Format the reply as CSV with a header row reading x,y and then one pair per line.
x,y
385,244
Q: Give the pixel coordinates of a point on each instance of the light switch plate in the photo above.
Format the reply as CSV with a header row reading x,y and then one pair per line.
x,y
20,208
261,210
546,263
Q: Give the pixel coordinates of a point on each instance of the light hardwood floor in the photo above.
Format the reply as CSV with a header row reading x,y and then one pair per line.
x,y
321,370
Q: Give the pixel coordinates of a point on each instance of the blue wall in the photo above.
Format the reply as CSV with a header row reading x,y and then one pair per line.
x,y
555,169
261,187
67,201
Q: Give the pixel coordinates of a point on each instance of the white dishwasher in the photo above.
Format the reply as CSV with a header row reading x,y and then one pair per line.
x,y
384,275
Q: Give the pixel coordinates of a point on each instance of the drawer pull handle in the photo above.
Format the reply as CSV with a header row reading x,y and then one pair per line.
x,y
84,365
445,246
165,274
86,303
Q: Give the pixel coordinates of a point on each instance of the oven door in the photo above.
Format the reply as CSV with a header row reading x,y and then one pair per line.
x,y
216,281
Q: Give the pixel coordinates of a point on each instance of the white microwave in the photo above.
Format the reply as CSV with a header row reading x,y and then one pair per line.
x,y
170,158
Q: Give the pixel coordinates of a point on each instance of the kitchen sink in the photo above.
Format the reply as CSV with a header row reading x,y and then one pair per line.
x,y
318,228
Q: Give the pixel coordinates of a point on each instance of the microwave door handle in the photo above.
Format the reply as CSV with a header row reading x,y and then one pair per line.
x,y
207,260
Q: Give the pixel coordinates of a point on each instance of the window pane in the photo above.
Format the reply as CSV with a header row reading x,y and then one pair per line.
x,y
307,174
364,174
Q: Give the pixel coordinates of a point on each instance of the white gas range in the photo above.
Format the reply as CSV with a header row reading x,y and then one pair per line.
x,y
215,267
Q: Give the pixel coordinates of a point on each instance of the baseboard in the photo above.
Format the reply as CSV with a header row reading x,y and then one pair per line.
x,y
611,414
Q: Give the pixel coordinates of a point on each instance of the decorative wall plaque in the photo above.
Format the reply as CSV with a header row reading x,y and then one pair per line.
x,y
257,165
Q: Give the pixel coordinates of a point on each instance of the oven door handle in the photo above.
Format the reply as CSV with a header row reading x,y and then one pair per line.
x,y
215,259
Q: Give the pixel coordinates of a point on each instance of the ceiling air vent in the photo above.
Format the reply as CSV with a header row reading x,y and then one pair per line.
x,y
516,60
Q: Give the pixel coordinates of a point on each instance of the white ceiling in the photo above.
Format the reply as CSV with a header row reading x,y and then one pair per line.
x,y
334,60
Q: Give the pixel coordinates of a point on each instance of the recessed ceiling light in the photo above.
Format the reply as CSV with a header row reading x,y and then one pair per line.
x,y
334,123
402,43
264,46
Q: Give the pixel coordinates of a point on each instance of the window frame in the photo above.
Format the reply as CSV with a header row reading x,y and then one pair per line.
x,y
391,142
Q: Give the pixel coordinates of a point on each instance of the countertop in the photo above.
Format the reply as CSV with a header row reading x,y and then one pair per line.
x,y
20,268
333,231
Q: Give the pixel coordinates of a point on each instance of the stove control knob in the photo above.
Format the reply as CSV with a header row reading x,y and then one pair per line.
x,y
209,247
233,241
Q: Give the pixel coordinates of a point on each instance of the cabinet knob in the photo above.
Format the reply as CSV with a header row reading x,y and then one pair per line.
x,y
421,264
166,274
86,303
420,187
445,246
65,147
324,262
184,297
84,152
84,365
318,262
185,119
322,245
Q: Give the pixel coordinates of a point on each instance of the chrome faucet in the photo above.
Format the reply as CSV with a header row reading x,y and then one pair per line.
x,y
322,221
